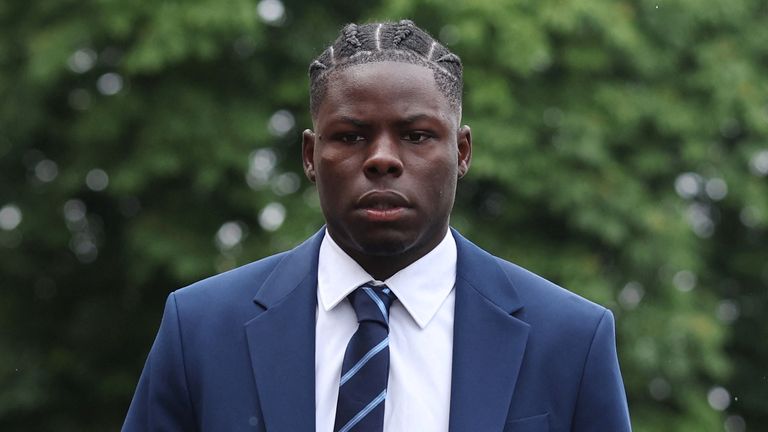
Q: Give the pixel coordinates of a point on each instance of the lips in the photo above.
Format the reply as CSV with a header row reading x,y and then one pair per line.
x,y
387,199
383,206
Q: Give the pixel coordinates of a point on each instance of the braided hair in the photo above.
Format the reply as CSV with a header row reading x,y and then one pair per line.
x,y
400,42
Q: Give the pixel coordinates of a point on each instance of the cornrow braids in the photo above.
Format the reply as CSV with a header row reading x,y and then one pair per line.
x,y
402,32
350,35
385,41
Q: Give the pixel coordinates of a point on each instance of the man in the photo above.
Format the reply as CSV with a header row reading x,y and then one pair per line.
x,y
386,319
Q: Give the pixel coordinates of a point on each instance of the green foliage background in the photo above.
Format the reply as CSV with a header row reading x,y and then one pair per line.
x,y
620,150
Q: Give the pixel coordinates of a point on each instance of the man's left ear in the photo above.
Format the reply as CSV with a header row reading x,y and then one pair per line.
x,y
464,143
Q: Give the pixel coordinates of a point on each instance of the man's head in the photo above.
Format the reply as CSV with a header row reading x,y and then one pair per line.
x,y
386,150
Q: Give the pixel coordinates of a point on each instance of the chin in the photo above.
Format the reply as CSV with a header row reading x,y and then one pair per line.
x,y
383,247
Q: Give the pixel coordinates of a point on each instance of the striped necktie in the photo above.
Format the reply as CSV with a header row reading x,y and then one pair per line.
x,y
364,372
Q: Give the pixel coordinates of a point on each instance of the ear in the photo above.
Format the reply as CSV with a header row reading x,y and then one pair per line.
x,y
308,153
464,144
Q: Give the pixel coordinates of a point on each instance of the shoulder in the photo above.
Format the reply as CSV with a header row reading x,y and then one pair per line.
x,y
560,321
236,287
543,297
527,295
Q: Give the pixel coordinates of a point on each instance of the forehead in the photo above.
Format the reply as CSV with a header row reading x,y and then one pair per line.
x,y
384,88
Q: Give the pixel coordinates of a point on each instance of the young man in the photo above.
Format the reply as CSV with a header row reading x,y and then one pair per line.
x,y
386,319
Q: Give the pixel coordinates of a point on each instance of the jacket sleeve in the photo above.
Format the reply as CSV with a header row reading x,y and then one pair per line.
x,y
162,401
602,402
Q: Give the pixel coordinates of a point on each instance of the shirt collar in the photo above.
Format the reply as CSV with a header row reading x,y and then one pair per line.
x,y
422,287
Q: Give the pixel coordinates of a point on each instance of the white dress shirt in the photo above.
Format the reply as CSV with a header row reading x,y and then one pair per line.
x,y
420,336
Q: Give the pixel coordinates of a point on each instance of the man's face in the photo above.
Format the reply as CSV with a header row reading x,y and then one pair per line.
x,y
386,154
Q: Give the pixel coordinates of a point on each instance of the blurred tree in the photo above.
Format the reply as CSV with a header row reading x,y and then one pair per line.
x,y
620,150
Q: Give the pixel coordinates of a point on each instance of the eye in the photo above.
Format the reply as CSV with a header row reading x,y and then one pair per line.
x,y
351,138
416,136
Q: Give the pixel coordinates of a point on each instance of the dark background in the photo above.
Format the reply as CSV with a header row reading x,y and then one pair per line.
x,y
620,149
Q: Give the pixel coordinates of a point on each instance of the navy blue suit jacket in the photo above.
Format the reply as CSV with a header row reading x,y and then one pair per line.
x,y
236,352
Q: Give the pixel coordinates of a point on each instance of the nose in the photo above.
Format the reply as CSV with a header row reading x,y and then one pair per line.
x,y
383,158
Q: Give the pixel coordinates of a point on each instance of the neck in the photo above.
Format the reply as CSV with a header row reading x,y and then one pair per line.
x,y
384,264
383,267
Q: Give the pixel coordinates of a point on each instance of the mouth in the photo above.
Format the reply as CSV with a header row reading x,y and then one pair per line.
x,y
383,206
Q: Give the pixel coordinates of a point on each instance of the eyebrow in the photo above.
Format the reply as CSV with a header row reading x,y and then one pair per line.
x,y
414,118
354,121
362,124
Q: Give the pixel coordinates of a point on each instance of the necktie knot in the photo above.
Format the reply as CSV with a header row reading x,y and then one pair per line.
x,y
372,302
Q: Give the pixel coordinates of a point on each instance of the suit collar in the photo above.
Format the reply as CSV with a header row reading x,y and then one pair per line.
x,y
488,342
295,266
421,287
475,264
281,340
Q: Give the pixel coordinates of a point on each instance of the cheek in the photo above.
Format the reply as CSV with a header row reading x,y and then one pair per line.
x,y
330,168
335,178
338,159
440,178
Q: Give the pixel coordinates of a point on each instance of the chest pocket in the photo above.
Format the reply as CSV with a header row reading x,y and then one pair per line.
x,y
539,423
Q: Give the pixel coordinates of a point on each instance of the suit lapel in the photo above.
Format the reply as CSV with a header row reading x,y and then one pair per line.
x,y
488,344
281,341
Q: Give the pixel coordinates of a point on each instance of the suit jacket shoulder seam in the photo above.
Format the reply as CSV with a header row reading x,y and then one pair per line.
x,y
586,359
183,359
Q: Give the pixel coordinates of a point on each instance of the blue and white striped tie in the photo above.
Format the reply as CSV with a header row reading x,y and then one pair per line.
x,y
364,372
